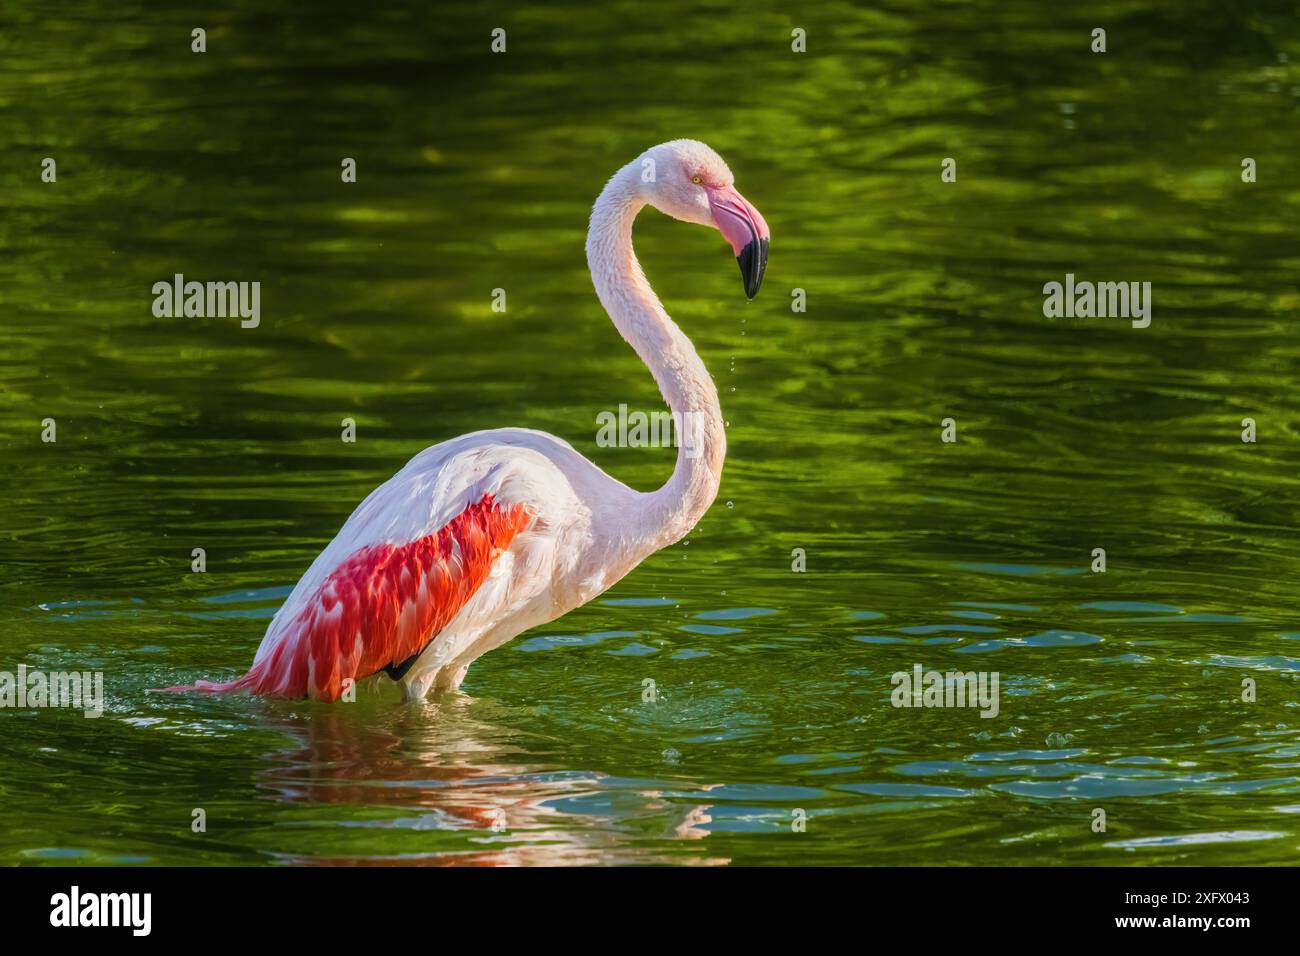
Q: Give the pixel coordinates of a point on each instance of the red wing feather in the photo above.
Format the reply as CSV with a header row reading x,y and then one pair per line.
x,y
382,605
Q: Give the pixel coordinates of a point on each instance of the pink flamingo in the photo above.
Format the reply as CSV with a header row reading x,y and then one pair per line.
x,y
485,536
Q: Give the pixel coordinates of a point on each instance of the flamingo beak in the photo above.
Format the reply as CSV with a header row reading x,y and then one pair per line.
x,y
744,227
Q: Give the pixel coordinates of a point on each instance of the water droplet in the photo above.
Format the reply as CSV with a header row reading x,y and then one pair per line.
x,y
731,504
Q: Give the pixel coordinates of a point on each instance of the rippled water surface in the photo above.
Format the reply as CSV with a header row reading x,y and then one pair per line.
x,y
1119,690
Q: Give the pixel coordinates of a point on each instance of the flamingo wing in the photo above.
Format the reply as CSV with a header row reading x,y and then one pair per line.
x,y
381,606
413,554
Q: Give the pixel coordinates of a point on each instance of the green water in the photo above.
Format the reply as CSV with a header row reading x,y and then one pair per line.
x,y
1120,690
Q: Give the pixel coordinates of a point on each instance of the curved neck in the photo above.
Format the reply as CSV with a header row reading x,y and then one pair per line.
x,y
683,380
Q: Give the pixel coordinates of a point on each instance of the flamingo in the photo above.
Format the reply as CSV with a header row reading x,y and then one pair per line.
x,y
482,537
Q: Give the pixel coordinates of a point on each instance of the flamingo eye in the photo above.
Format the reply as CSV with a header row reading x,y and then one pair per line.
x,y
697,180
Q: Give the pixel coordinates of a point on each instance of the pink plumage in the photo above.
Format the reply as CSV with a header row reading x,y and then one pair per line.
x,y
381,606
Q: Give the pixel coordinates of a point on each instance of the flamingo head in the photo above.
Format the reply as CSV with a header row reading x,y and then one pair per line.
x,y
689,181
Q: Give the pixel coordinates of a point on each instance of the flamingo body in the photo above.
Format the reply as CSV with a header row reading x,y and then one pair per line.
x,y
482,537
376,611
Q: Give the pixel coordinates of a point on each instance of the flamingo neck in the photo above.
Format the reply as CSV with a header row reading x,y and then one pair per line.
x,y
684,382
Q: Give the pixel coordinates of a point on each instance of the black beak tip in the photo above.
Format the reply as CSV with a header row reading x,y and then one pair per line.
x,y
753,263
